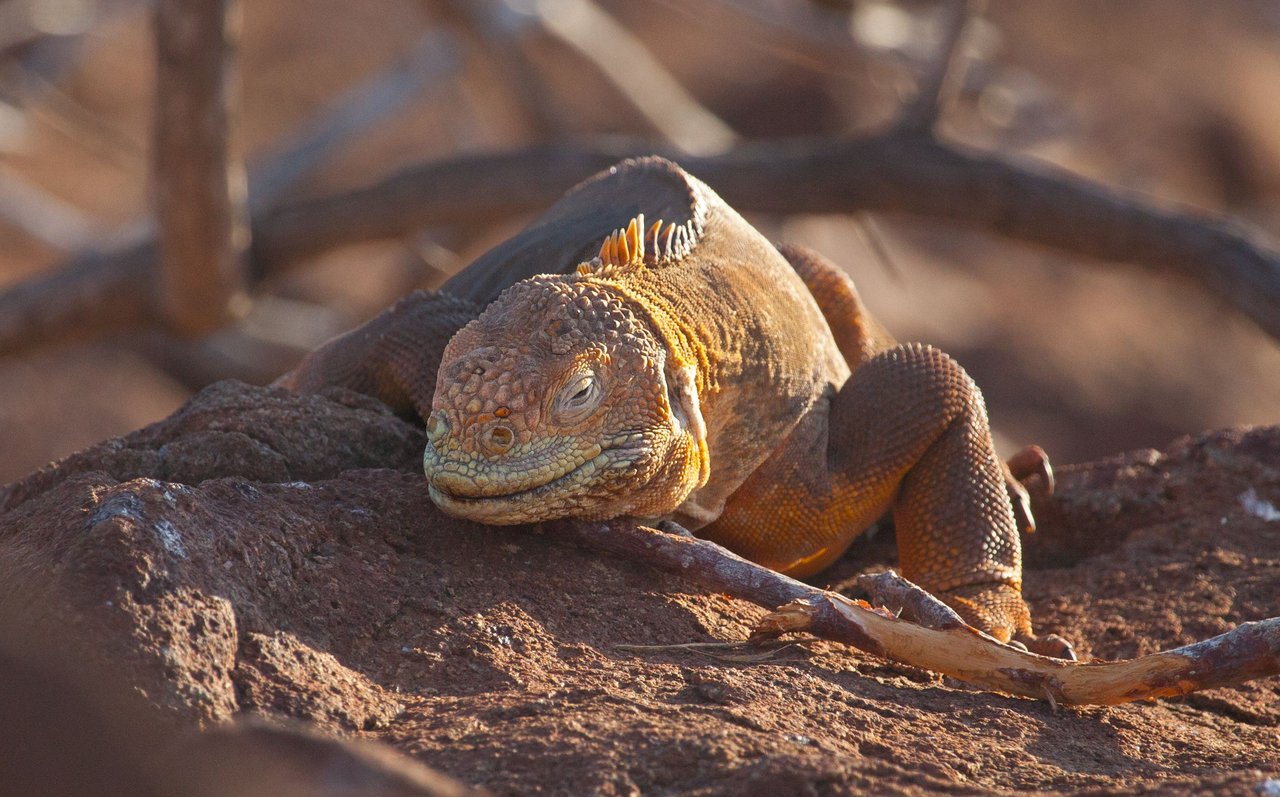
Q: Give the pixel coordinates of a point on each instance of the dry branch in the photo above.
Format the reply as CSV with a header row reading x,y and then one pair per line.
x,y
912,175
429,62
950,647
198,181
637,75
91,296
44,217
942,73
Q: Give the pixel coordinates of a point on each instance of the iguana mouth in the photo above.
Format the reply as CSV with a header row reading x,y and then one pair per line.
x,y
484,506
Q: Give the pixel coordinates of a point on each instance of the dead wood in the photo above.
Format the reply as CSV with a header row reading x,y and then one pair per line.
x,y
639,78
197,178
911,175
945,644
942,74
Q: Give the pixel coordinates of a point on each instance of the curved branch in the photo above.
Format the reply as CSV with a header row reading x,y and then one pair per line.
x,y
90,296
1250,651
941,75
913,175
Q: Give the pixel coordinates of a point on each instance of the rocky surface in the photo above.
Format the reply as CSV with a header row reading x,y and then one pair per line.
x,y
260,553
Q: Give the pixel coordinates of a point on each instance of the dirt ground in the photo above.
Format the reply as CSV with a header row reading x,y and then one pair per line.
x,y
260,553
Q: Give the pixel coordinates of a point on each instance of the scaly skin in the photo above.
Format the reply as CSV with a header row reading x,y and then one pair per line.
x,y
554,403
693,371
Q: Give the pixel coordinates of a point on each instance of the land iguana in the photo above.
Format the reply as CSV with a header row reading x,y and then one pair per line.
x,y
687,369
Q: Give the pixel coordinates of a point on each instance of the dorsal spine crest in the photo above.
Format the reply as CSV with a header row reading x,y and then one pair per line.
x,y
635,246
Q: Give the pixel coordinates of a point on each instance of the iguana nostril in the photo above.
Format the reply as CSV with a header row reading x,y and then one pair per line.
x,y
437,427
497,438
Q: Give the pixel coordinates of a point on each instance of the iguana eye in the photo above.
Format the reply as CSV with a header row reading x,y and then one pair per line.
x,y
578,398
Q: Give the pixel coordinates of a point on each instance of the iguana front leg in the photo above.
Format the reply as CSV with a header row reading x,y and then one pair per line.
x,y
859,336
907,432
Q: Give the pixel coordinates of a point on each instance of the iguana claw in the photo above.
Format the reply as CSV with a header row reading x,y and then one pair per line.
x,y
1030,461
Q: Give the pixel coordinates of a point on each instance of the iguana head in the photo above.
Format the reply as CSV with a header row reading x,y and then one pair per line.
x,y
560,400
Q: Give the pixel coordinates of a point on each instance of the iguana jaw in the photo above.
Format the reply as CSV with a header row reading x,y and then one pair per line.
x,y
582,488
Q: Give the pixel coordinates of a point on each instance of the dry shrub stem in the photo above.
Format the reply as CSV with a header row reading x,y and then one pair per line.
x,y
948,646
893,173
197,178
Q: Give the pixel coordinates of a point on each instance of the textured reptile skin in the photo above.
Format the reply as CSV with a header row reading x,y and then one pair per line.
x,y
696,372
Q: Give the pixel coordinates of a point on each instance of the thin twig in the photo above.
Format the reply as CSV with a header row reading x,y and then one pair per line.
x,y
869,232
641,78
502,34
942,73
428,63
796,33
921,114
63,114
46,218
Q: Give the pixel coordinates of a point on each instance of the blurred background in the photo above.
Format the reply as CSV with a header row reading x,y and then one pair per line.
x,y
1176,98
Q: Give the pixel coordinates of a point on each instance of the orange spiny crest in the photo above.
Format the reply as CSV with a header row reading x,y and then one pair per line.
x,y
637,244
653,229
622,247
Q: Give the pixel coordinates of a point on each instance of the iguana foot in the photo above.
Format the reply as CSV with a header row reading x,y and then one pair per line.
x,y
1051,645
1032,461
999,610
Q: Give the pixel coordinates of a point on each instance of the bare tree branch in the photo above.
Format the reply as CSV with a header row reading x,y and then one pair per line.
x,y
430,61
950,647
198,181
638,76
941,74
90,296
1022,200
40,215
